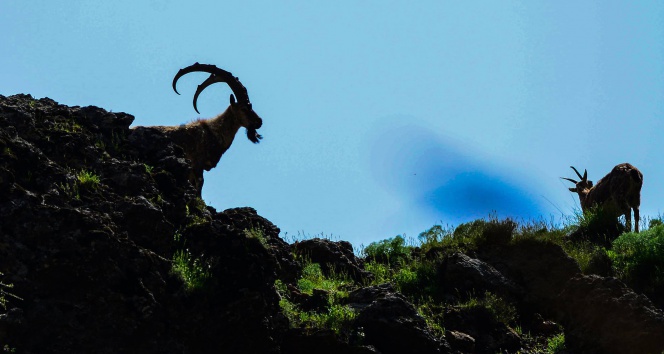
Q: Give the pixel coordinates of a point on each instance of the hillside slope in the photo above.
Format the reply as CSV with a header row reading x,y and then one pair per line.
x,y
105,247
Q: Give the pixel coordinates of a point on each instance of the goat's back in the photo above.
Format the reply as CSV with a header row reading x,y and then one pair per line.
x,y
623,183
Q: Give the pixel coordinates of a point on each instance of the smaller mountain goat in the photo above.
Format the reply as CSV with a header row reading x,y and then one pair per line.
x,y
205,140
617,193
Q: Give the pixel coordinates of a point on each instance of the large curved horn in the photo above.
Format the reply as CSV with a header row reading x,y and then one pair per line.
x,y
216,75
569,179
585,175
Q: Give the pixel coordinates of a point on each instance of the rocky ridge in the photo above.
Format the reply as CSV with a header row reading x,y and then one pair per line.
x,y
93,216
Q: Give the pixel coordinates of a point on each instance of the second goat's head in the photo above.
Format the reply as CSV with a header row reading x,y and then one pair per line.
x,y
240,108
583,185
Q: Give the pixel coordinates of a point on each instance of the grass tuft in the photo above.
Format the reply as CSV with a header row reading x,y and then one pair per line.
x,y
191,270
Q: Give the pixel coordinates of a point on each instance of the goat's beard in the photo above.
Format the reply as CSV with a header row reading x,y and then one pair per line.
x,y
253,135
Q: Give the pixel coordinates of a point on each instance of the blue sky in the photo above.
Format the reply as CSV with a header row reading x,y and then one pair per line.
x,y
380,117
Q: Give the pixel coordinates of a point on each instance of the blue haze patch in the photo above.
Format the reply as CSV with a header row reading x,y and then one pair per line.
x,y
448,179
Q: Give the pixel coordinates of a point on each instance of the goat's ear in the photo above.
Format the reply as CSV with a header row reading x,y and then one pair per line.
x,y
590,184
572,190
232,100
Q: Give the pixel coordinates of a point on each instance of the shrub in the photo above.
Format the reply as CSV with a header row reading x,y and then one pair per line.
x,y
419,279
191,270
556,344
334,317
313,278
501,310
639,260
88,179
392,251
434,237
597,226
479,233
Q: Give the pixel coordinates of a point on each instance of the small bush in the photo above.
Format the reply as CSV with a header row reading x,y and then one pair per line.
x,y
639,260
655,222
313,278
597,226
556,344
257,234
88,179
192,270
392,251
382,272
479,233
420,279
582,252
433,316
501,310
434,237
334,317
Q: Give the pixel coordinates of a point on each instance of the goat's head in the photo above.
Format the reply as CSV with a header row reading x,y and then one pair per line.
x,y
583,186
241,109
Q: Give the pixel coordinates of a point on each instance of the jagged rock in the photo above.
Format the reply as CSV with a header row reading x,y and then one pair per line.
x,y
391,324
544,327
333,256
602,315
460,342
464,275
288,269
361,298
542,269
92,262
490,335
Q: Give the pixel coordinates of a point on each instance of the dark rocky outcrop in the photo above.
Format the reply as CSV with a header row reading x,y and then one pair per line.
x,y
465,275
602,315
337,257
91,259
542,269
391,323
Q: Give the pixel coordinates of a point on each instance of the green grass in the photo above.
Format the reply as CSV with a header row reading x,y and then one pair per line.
x,y
502,310
433,316
312,278
67,127
415,269
88,179
257,234
192,271
335,316
70,190
196,212
556,344
639,260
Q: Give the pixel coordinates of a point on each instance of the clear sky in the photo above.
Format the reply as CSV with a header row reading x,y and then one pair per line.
x,y
380,117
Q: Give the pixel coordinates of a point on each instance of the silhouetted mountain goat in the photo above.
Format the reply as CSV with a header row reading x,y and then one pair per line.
x,y
617,193
205,140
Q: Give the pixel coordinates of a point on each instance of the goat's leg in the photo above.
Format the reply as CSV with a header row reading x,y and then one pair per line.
x,y
628,219
636,219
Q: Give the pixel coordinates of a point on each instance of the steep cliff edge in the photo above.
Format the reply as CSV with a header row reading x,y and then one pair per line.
x,y
91,216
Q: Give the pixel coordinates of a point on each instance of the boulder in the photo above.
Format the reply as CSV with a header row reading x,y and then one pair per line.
x,y
463,275
391,324
602,315
334,257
